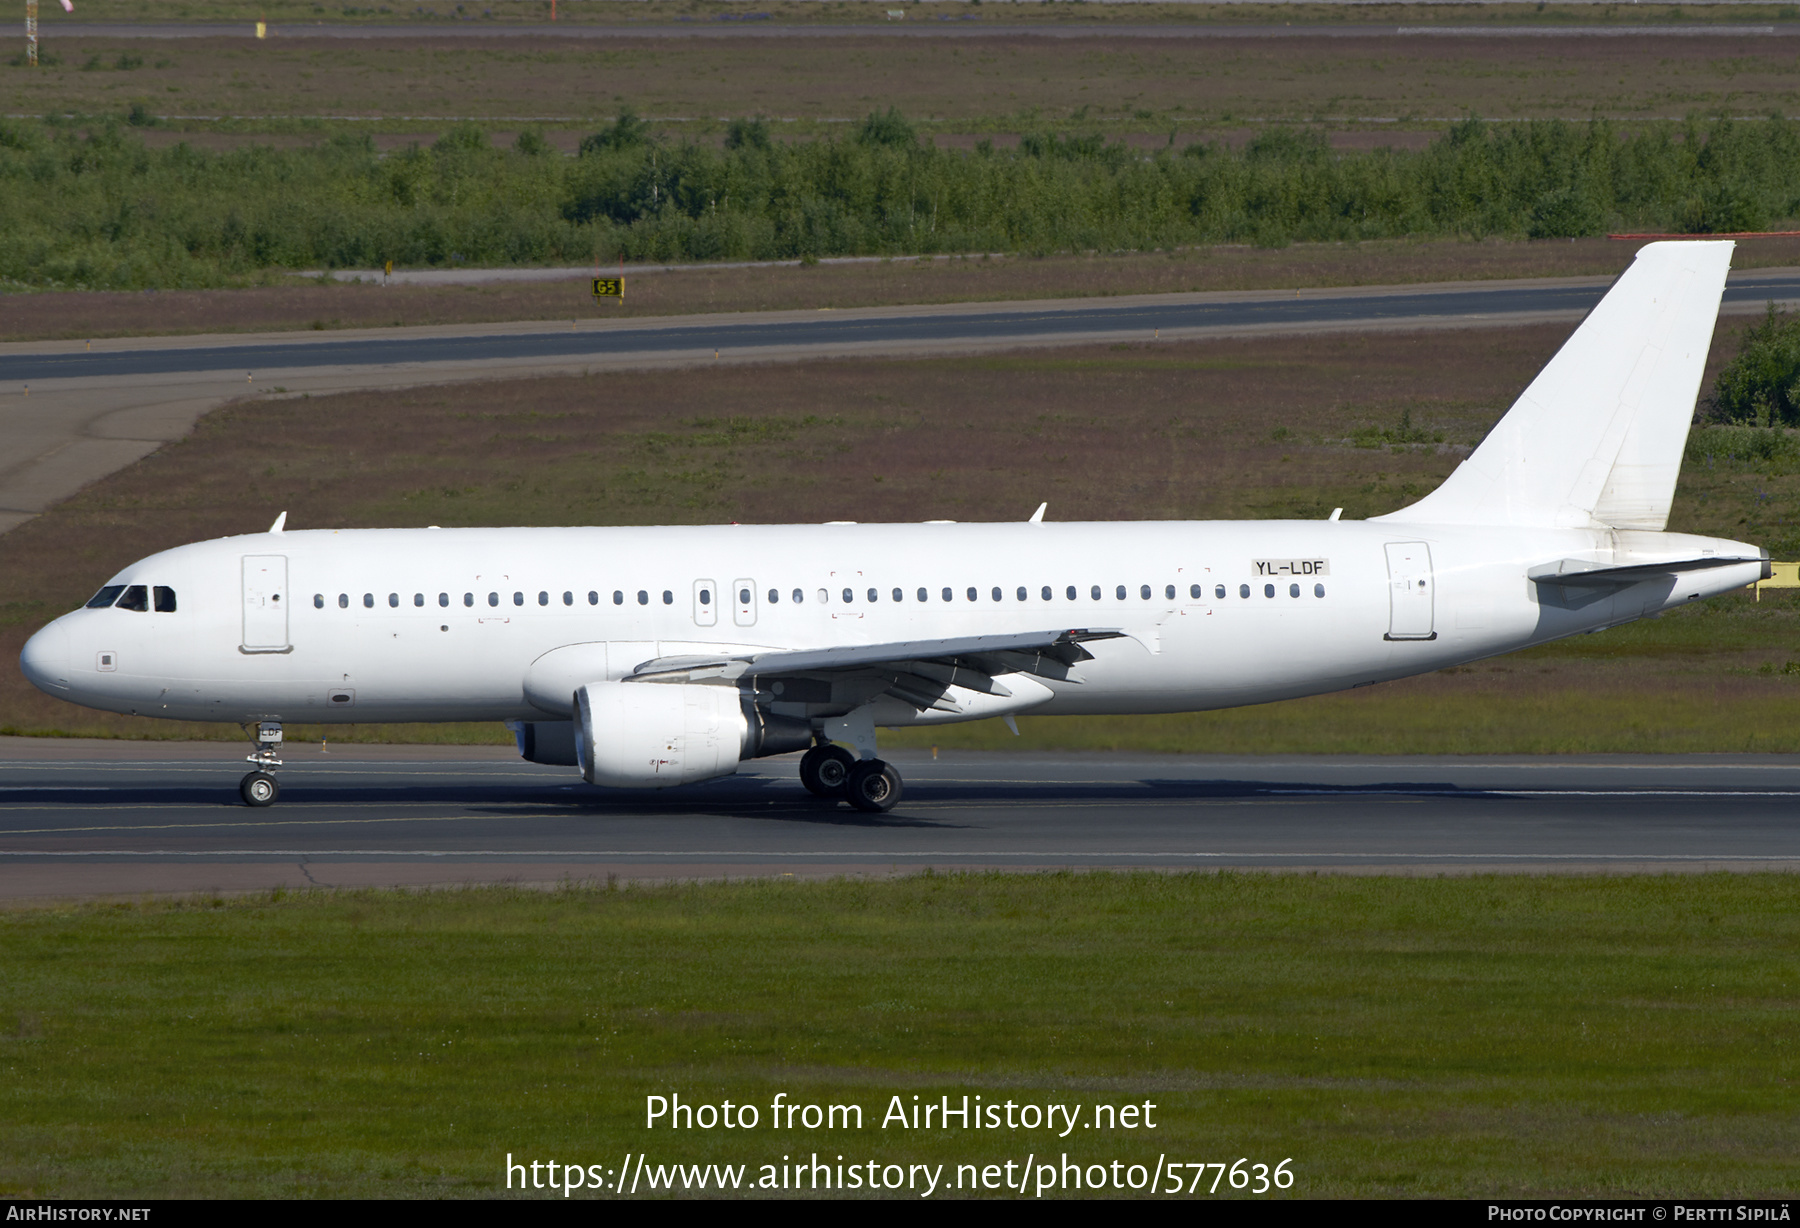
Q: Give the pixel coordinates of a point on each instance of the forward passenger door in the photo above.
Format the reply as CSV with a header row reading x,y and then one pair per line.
x,y
265,603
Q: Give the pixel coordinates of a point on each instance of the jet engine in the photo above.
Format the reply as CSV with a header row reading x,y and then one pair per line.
x,y
650,735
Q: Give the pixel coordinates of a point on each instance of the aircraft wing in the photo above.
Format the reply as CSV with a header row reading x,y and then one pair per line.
x,y
921,672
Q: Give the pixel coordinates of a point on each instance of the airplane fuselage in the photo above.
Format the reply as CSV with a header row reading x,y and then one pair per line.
x,y
446,624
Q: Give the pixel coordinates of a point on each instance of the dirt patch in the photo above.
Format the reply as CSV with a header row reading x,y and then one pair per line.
x,y
1003,83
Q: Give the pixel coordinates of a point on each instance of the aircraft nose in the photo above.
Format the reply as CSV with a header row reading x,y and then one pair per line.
x,y
45,658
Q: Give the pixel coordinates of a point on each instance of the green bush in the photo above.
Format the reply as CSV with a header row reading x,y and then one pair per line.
x,y
128,217
1743,447
1761,385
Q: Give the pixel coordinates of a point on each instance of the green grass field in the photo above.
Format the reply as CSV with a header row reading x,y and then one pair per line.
x,y
1458,1037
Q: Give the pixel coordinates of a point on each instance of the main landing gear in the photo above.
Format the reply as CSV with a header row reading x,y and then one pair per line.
x,y
260,788
832,772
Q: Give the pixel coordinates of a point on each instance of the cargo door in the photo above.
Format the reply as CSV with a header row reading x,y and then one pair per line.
x,y
265,603
1411,600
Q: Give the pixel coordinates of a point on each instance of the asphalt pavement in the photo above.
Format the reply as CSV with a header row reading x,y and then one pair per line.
x,y
150,818
993,324
960,26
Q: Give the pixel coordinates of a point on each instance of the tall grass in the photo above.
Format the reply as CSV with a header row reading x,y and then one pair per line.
x,y
86,204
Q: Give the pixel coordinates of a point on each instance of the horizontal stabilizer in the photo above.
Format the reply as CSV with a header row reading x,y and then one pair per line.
x,y
1579,573
1596,440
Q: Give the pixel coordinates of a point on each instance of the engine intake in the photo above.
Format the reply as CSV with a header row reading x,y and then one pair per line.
x,y
648,735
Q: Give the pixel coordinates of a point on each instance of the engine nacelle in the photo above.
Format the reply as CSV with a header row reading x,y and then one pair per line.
x,y
650,735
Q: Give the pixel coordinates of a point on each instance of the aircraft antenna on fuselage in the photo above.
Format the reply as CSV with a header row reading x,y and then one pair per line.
x,y
280,523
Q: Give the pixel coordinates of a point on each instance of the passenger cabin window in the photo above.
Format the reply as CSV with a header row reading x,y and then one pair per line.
x,y
1144,592
468,599
1071,592
874,595
1021,593
419,600
1169,591
899,595
343,601
1121,592
997,596
668,597
643,596
1293,590
924,594
1318,590
949,594
1268,590
1243,590
1096,592
493,599
318,601
165,599
543,598
849,596
1194,591
105,597
799,596
393,601
774,596
368,601
1219,592
443,599
568,598
518,598
971,594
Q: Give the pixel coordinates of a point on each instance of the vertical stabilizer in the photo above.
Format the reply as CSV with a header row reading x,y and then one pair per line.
x,y
1597,438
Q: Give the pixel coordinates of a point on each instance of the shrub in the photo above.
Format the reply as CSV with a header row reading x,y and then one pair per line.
x,y
1761,385
627,132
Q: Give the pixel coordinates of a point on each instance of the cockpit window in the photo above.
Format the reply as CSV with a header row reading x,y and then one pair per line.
x,y
105,597
137,597
165,599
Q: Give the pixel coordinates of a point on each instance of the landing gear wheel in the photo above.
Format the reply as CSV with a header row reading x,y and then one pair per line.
x,y
874,786
825,770
259,789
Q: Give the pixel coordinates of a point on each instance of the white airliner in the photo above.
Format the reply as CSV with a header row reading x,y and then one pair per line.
x,y
652,657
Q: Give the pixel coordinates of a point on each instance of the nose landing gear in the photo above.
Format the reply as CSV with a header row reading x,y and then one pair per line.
x,y
260,788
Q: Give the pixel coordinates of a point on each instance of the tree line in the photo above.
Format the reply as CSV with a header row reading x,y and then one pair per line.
x,y
89,205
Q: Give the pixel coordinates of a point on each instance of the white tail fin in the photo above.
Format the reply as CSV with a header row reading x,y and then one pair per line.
x,y
1597,438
